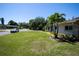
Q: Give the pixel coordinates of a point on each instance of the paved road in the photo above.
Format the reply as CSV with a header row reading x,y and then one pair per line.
x,y
8,31
4,33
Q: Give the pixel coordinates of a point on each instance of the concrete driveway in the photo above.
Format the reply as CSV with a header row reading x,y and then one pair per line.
x,y
4,33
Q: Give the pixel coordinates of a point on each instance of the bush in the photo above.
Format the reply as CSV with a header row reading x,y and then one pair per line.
x,y
55,35
69,38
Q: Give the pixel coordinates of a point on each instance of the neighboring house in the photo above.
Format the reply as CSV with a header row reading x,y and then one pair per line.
x,y
69,27
11,26
7,26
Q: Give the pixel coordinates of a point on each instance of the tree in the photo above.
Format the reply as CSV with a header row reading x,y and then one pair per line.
x,y
2,22
32,24
41,22
54,19
11,22
37,24
23,25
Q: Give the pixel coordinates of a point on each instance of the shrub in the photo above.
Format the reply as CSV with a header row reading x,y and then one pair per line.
x,y
69,38
55,35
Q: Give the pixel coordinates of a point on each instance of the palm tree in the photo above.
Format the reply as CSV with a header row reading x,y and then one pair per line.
x,y
54,19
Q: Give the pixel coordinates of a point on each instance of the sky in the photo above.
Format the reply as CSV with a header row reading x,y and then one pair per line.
x,y
23,12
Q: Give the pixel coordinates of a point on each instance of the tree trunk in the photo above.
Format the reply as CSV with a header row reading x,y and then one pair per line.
x,y
56,30
51,27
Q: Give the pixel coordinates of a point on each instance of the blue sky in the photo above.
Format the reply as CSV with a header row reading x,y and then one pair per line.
x,y
24,12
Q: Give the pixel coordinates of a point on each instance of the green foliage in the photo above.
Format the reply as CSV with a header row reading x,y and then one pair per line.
x,y
56,17
37,24
23,25
69,38
53,21
11,22
2,26
2,21
55,35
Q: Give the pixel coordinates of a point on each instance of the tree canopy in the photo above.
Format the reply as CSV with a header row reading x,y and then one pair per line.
x,y
11,22
23,25
37,24
2,21
56,17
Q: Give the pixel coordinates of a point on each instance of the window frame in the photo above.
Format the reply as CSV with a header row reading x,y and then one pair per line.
x,y
68,27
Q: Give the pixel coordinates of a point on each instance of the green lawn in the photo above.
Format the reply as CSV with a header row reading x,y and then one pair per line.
x,y
35,43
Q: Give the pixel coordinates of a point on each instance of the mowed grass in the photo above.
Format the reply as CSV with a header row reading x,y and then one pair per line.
x,y
35,43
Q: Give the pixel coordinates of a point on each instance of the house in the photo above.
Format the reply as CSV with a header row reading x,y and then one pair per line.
x,y
69,27
11,26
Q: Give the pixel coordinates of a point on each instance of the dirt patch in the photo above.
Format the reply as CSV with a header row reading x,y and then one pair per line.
x,y
40,46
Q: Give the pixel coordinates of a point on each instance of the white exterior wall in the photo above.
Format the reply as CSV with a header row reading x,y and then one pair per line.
x,y
76,29
73,31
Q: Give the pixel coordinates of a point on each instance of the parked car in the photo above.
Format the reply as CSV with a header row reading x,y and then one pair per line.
x,y
14,30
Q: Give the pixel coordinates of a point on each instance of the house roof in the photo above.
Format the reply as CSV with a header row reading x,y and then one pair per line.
x,y
74,20
12,26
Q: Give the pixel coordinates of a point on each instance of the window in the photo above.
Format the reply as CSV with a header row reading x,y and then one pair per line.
x,y
68,27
